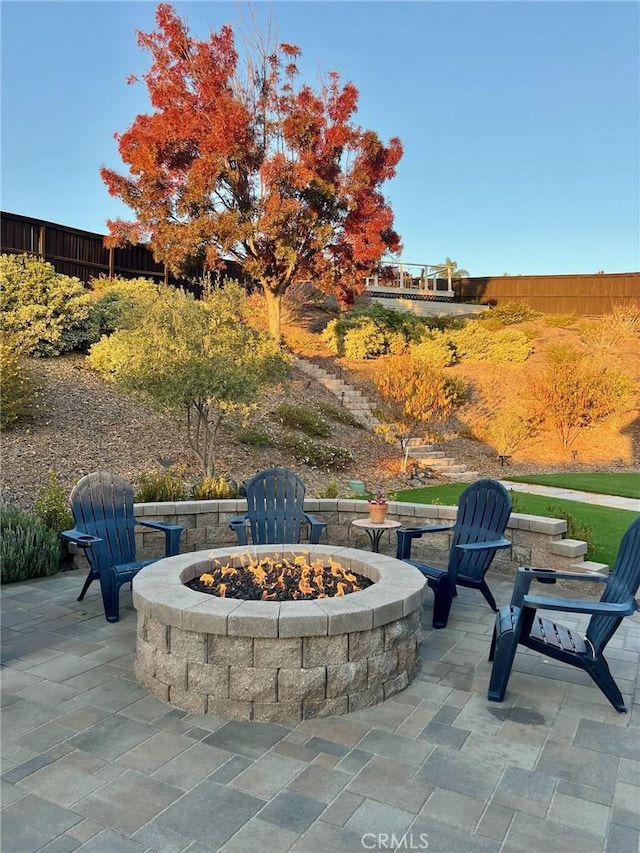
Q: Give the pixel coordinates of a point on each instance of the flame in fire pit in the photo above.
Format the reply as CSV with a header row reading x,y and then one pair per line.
x,y
279,579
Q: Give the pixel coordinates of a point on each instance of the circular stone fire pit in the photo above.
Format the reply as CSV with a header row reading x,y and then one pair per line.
x,y
267,660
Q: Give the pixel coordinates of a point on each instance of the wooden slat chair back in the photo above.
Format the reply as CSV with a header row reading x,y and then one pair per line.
x,y
275,510
483,513
519,623
103,513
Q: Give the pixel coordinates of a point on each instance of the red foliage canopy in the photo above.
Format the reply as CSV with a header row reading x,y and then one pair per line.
x,y
257,168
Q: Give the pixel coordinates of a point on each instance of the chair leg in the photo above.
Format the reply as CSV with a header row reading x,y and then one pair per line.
x,y
484,589
600,673
90,577
110,596
492,649
503,650
443,594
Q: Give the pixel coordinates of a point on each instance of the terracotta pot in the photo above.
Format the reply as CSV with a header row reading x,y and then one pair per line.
x,y
378,512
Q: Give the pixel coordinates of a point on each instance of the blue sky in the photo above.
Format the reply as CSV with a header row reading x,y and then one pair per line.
x,y
520,120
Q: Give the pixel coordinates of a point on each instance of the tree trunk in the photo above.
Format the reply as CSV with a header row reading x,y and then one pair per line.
x,y
273,301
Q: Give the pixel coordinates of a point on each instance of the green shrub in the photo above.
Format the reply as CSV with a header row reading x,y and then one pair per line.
x,y
28,548
366,341
480,344
444,322
491,323
330,490
436,349
510,313
17,389
507,431
531,331
51,505
120,303
296,417
49,312
214,489
255,437
166,485
559,321
339,414
372,332
320,456
575,529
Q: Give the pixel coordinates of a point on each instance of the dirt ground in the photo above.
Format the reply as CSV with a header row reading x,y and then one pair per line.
x,y
614,445
84,424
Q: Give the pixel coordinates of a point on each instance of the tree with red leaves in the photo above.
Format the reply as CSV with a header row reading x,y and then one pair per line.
x,y
252,168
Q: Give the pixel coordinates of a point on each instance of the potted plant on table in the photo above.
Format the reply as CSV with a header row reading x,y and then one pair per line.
x,y
378,506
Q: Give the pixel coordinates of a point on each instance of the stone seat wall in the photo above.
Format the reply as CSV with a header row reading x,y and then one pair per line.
x,y
536,541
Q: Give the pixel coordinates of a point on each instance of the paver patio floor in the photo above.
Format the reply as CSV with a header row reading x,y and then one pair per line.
x,y
92,762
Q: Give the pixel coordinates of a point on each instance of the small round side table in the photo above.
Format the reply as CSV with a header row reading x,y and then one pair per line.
x,y
375,531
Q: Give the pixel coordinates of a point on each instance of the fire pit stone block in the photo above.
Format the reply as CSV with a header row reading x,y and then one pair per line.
x,y
270,661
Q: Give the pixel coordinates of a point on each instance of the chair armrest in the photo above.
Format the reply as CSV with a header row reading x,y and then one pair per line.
x,y
544,574
77,537
172,533
407,534
239,526
572,605
428,528
495,544
526,575
317,527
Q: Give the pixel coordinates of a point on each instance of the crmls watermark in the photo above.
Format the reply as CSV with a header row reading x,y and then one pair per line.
x,y
391,841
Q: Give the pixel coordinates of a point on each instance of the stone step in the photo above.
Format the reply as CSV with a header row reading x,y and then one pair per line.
x,y
437,461
351,398
357,407
452,469
355,398
463,476
568,547
417,453
592,567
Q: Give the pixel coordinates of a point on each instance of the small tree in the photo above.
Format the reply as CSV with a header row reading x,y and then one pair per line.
x,y
575,392
201,357
507,431
413,393
252,167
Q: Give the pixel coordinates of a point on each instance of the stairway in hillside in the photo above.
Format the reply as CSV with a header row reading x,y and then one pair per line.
x,y
427,456
354,401
351,398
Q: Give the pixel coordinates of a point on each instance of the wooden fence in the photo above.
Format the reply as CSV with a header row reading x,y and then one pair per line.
x,y
83,254
585,295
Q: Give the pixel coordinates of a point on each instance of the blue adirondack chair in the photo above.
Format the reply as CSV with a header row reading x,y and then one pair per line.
x,y
483,512
275,510
102,505
520,623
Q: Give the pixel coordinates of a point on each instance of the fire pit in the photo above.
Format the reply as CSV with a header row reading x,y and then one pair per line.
x,y
278,579
277,660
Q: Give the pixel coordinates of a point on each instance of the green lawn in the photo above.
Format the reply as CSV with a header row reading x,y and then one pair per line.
x,y
623,485
607,525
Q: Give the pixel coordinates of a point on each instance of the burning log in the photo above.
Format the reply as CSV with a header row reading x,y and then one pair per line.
x,y
273,579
